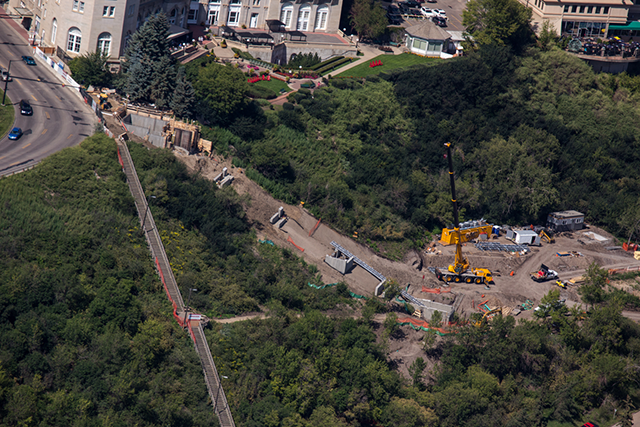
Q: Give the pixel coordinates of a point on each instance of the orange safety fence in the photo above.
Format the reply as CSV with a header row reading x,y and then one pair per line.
x,y
613,271
290,240
424,325
435,290
175,307
315,227
120,158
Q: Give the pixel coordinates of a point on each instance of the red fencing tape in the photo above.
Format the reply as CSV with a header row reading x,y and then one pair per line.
x,y
436,290
290,240
313,230
120,158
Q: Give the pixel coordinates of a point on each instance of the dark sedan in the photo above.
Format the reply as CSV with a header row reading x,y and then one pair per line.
x,y
29,60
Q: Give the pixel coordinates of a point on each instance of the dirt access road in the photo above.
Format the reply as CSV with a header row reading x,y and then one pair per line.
x,y
507,291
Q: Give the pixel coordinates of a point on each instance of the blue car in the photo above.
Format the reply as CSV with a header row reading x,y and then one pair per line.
x,y
29,60
15,133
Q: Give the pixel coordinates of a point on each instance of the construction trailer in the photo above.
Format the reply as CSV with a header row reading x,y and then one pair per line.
x,y
524,237
469,231
565,221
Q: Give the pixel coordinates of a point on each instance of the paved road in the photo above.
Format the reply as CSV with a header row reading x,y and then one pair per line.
x,y
60,119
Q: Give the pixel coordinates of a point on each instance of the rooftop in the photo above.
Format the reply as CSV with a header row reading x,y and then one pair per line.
x,y
566,214
429,31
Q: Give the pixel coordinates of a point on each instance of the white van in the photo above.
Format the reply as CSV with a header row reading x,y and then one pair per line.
x,y
4,75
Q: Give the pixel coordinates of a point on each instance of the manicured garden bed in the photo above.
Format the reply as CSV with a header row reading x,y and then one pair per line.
x,y
388,63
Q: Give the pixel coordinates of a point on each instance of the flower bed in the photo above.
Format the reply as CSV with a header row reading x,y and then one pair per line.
x,y
257,79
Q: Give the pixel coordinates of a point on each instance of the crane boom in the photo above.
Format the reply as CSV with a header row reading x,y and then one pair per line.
x,y
459,271
460,264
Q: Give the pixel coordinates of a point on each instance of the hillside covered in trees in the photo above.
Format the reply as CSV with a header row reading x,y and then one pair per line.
x,y
87,336
531,134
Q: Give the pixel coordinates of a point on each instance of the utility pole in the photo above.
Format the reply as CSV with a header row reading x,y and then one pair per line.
x,y
6,82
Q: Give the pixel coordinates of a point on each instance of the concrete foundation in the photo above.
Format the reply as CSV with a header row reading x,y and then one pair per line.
x,y
429,307
342,265
226,181
276,217
148,128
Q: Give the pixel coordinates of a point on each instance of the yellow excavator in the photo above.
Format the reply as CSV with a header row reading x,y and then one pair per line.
x,y
486,315
544,235
460,270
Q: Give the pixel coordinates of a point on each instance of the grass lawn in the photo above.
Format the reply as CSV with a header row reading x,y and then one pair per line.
x,y
274,84
389,62
6,116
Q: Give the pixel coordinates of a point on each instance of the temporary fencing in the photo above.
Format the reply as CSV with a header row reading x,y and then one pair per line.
x,y
120,158
353,295
290,240
418,324
315,227
436,290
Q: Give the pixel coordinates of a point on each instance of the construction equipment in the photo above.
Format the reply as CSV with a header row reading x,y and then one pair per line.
x,y
544,274
562,284
544,235
486,315
460,271
469,231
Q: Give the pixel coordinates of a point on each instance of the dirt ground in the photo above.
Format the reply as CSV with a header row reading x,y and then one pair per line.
x,y
508,291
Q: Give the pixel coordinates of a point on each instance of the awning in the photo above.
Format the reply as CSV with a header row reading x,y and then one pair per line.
x,y
176,31
275,25
23,11
297,35
633,25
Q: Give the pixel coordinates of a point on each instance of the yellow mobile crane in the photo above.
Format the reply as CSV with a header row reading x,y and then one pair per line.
x,y
460,271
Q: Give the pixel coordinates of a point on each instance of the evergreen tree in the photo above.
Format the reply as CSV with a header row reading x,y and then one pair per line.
x,y
149,66
184,96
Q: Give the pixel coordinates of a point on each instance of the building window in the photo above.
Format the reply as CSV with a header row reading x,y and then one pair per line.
x,y
419,44
75,5
132,10
253,23
574,9
104,43
256,2
598,10
74,39
285,14
605,10
235,2
581,9
321,18
590,9
54,30
81,9
303,18
193,15
212,19
234,18
566,9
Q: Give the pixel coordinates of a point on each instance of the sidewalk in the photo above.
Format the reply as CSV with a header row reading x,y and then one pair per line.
x,y
12,22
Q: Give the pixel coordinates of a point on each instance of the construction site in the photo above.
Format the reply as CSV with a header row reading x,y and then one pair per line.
x,y
491,270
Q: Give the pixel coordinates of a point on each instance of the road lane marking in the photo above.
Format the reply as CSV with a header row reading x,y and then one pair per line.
x,y
36,99
69,136
25,147
57,97
48,116
19,82
2,157
43,132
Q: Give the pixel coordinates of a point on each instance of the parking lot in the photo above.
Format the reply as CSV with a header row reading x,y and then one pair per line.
x,y
453,8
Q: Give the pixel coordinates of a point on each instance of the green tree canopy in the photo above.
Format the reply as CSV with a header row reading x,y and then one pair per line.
x,y
149,67
368,18
503,22
91,69
221,90
184,96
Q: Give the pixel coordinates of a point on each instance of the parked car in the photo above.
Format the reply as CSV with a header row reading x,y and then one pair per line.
x,y
439,21
25,108
431,1
29,60
5,74
441,13
427,12
15,133
412,3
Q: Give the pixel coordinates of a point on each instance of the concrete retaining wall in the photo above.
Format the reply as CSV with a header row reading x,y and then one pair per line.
x,y
146,127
